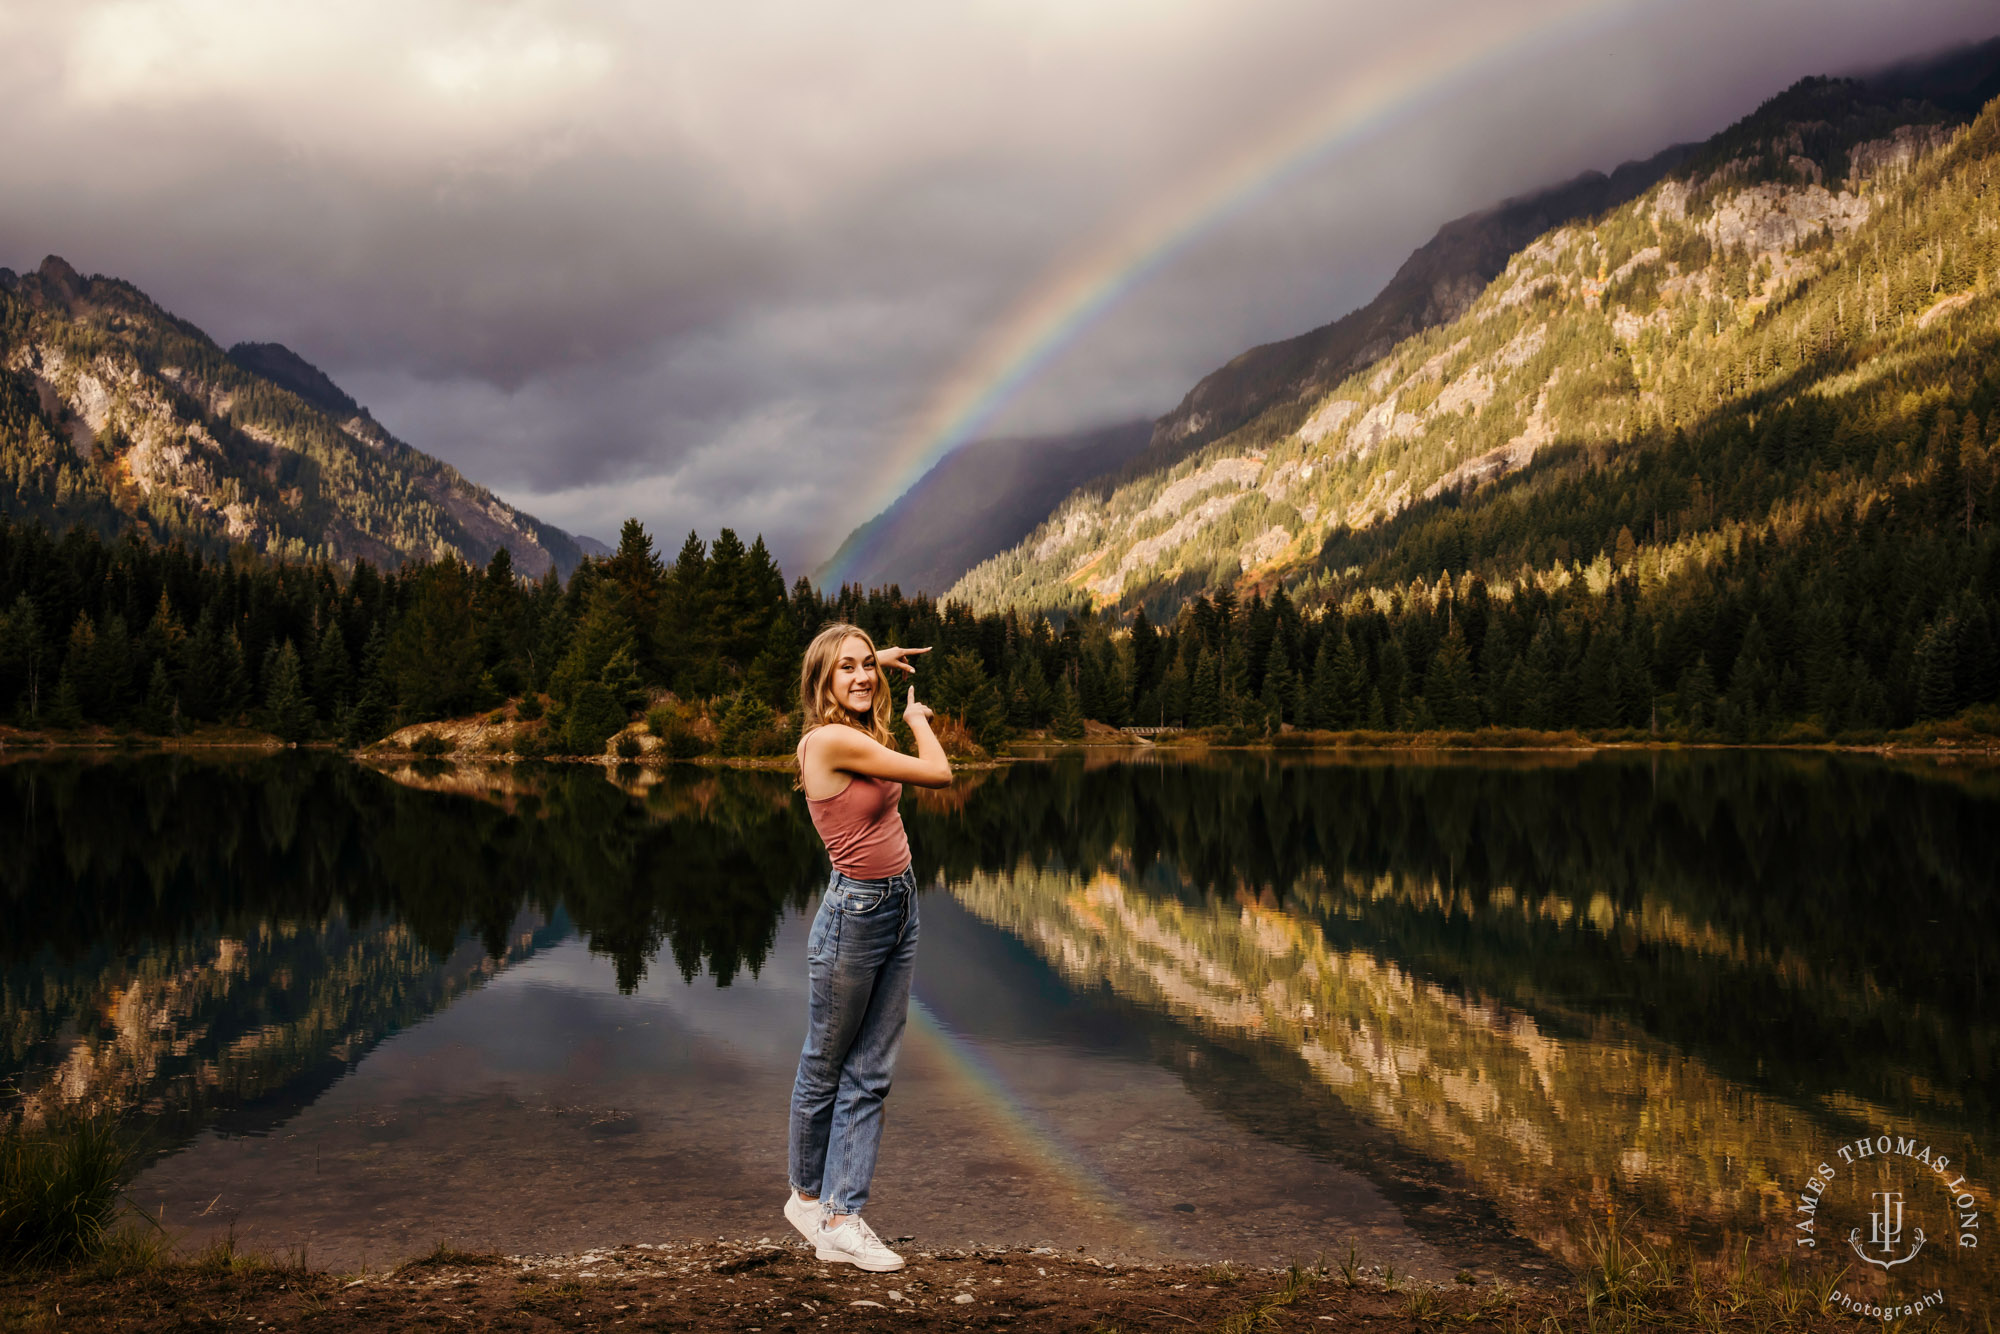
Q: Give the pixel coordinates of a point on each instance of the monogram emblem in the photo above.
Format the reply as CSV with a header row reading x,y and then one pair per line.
x,y
1885,1231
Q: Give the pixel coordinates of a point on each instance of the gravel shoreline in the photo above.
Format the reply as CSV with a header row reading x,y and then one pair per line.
x,y
763,1287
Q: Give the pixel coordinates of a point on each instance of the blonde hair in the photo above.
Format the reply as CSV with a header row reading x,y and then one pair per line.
x,y
817,705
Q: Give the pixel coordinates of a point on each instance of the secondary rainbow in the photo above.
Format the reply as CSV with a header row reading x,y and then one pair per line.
x,y
1074,296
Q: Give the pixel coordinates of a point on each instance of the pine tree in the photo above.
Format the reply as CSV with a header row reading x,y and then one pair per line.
x,y
604,633
1031,702
1635,683
592,716
165,639
1750,684
24,658
1069,713
375,700
734,601
501,608
1978,672
773,673
160,714
1205,692
1448,687
687,638
1176,689
1350,686
1695,695
1937,669
548,632
1278,687
332,676
985,716
77,687
1597,694
288,713
1145,657
1391,681
637,571
1540,667
1321,708
958,679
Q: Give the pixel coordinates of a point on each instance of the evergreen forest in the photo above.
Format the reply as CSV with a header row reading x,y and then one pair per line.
x,y
1756,502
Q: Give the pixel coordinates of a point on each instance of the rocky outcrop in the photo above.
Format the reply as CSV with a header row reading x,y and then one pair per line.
x,y
1435,285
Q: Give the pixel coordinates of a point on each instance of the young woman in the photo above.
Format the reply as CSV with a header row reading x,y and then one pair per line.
x,y
863,945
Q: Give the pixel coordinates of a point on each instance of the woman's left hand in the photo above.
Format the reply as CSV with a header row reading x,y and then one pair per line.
x,y
898,658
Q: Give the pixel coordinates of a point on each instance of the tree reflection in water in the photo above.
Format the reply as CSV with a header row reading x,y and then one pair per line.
x,y
1554,973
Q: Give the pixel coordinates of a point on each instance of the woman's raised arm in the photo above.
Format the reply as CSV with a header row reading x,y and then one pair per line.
x,y
855,751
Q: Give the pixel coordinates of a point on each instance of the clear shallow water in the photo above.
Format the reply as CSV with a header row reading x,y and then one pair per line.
x,y
1249,1007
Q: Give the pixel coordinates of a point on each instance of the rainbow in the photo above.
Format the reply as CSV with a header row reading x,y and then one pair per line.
x,y
1070,298
1032,1131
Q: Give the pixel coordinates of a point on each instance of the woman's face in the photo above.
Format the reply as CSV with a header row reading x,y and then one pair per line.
x,y
854,676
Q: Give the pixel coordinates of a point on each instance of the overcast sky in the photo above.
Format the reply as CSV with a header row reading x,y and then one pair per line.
x,y
718,263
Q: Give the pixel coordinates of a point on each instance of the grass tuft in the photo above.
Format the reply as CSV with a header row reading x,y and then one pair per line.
x,y
1620,1269
221,1257
59,1190
1263,1313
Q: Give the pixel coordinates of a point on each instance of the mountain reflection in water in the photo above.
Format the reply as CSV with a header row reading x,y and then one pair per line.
x,y
1670,980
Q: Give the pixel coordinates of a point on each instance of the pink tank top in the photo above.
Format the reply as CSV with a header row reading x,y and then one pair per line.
x,y
862,827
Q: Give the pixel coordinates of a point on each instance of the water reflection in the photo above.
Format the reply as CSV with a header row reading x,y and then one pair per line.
x,y
1670,980
196,942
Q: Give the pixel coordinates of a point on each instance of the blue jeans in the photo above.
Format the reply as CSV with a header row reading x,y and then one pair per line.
x,y
859,958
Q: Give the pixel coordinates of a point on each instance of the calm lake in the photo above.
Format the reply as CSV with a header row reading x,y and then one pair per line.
x,y
1257,1007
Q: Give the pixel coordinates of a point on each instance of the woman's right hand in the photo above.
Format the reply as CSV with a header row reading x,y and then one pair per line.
x,y
914,713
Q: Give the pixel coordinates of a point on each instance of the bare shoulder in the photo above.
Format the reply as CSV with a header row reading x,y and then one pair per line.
x,y
835,742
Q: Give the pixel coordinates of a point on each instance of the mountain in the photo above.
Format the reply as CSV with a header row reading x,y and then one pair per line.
x,y
984,497
1820,270
979,499
1441,278
116,414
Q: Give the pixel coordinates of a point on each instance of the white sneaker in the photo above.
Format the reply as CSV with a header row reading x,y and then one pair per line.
x,y
803,1215
855,1243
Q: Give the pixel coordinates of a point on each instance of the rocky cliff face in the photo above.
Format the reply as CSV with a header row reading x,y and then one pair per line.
x,y
116,414
1435,285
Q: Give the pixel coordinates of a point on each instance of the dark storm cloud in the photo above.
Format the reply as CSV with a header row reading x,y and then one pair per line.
x,y
706,264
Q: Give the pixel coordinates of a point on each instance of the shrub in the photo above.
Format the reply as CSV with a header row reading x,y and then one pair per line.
x,y
957,739
684,743
627,746
662,719
530,707
431,745
531,745
59,1190
592,718
749,727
